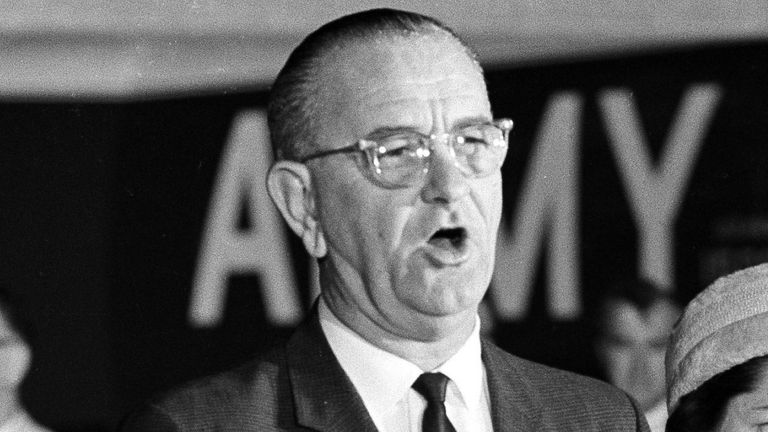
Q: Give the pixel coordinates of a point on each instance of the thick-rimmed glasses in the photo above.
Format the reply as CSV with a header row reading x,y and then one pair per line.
x,y
402,159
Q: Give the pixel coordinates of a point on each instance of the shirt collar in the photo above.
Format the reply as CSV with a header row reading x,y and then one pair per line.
x,y
465,369
383,379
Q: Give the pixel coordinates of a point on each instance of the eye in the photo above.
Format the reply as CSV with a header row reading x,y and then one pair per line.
x,y
481,133
468,146
478,139
464,138
399,145
471,137
400,150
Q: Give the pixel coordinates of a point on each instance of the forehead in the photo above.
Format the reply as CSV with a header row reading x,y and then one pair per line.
x,y
420,81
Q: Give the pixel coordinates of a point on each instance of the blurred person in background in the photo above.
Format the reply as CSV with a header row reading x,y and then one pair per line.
x,y
15,359
717,361
633,322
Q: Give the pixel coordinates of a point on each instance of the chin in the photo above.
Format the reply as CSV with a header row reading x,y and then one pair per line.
x,y
436,326
451,300
443,292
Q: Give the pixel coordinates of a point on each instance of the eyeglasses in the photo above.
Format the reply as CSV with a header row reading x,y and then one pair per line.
x,y
402,159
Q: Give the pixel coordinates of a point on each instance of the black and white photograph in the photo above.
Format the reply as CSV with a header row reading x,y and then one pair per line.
x,y
396,216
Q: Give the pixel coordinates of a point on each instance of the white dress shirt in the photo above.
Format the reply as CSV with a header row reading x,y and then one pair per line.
x,y
383,380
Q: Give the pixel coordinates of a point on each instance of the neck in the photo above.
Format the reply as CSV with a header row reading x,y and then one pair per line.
x,y
440,337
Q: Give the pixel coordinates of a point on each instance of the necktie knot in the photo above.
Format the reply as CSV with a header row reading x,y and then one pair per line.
x,y
431,386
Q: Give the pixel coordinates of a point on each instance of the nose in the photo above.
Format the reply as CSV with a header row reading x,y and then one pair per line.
x,y
445,182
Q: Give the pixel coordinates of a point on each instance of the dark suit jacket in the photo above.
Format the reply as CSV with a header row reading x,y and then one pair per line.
x,y
301,387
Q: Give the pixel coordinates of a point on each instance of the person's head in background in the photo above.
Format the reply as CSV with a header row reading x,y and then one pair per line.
x,y
717,362
633,323
15,355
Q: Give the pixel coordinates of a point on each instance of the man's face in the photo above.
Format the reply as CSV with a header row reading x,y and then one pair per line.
x,y
408,257
633,346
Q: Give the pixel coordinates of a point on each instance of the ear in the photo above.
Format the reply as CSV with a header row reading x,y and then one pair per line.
x,y
290,187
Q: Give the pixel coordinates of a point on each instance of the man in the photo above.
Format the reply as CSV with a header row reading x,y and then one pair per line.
x,y
635,319
388,170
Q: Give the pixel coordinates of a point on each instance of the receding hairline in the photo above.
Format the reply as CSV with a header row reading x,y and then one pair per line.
x,y
377,25
453,45
293,100
356,62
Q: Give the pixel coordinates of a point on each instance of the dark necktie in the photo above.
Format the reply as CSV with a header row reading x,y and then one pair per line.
x,y
432,387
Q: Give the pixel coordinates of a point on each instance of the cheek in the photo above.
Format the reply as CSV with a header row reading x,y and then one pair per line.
x,y
363,222
489,205
338,209
487,195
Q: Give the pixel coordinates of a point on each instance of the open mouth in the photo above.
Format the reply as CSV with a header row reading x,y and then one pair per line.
x,y
449,247
449,238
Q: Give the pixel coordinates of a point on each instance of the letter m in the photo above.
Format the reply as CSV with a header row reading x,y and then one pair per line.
x,y
548,201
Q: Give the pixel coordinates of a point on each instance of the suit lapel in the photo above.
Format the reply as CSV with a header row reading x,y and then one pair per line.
x,y
324,397
513,408
326,400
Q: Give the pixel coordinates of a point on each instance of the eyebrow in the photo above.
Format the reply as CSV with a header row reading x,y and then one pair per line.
x,y
389,130
471,121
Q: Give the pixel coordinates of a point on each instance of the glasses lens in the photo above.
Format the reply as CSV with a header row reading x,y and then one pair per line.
x,y
480,149
401,159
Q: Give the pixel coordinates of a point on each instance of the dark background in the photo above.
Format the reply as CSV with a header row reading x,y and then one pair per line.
x,y
103,206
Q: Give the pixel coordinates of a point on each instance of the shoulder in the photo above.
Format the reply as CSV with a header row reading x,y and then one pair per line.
x,y
252,394
564,399
552,383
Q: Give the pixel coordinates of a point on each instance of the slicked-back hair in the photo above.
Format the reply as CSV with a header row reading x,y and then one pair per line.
x,y
293,98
